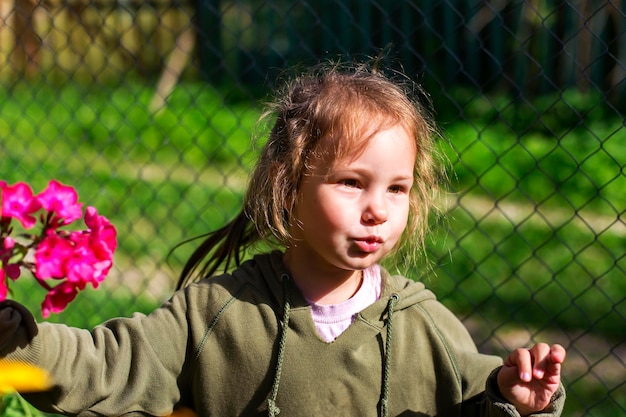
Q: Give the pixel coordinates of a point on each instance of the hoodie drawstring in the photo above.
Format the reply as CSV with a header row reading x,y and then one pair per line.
x,y
393,300
272,408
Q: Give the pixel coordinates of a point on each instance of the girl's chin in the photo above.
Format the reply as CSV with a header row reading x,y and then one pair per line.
x,y
373,254
352,260
363,261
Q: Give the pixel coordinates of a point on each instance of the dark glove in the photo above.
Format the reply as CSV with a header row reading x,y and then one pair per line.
x,y
17,326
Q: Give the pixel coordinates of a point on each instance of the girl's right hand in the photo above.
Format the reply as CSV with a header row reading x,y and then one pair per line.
x,y
13,317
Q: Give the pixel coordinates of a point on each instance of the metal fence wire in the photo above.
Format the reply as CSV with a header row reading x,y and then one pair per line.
x,y
148,107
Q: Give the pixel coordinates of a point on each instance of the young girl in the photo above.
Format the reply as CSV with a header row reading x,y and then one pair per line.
x,y
315,327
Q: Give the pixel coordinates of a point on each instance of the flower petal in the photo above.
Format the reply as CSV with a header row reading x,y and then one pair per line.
x,y
21,377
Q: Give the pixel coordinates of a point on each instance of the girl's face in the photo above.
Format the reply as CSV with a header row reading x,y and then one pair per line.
x,y
351,212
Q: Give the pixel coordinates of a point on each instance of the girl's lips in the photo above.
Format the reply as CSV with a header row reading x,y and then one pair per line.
x,y
369,244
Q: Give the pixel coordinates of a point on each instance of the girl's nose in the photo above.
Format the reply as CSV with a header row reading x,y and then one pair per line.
x,y
375,210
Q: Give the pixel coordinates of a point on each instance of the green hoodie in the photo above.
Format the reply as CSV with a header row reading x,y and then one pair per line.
x,y
245,345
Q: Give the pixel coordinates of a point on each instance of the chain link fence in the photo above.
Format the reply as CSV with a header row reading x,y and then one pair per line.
x,y
147,108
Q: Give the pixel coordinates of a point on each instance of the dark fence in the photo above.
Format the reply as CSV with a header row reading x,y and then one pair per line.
x,y
147,108
513,46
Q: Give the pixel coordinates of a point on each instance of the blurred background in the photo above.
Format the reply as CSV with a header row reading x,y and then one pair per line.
x,y
148,108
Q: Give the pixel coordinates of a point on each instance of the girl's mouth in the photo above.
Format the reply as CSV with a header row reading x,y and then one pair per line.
x,y
369,244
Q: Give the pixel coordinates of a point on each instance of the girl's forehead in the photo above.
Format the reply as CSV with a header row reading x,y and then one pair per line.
x,y
352,138
345,146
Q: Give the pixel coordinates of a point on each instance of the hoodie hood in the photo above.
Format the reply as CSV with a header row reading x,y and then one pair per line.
x,y
272,269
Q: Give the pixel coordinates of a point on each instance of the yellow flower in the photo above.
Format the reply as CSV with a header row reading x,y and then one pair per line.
x,y
21,377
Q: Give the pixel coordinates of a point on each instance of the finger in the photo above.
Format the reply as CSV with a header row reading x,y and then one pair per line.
x,y
557,353
554,361
541,356
522,359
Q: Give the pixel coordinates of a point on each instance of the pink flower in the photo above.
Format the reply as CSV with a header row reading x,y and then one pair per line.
x,y
7,270
82,257
3,286
10,270
58,298
91,261
18,202
6,248
82,265
61,200
13,271
8,243
51,256
101,228
72,258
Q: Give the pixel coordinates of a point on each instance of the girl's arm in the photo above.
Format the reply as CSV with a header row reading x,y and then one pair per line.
x,y
484,395
124,365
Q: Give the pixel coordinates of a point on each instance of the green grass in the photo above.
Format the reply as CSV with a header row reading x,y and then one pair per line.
x,y
560,151
163,178
567,278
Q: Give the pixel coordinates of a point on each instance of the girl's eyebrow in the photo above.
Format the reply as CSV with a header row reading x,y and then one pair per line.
x,y
404,177
339,171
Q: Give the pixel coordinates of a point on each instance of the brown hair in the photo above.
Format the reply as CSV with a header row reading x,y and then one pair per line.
x,y
337,102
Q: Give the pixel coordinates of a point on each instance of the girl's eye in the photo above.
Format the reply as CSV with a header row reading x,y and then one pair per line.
x,y
396,189
350,183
